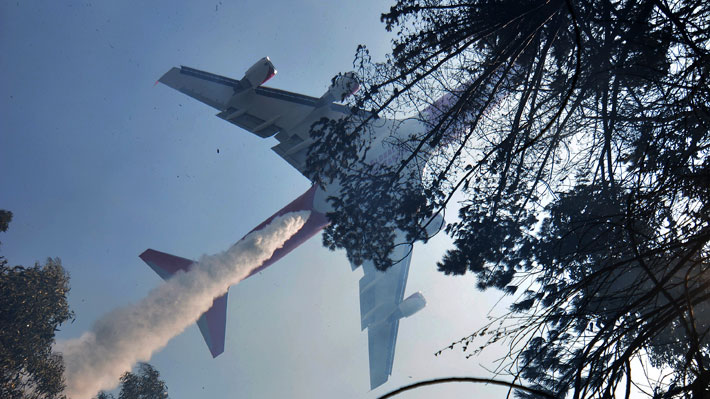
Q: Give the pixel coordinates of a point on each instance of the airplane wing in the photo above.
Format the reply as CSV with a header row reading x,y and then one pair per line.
x,y
263,111
381,293
287,116
381,340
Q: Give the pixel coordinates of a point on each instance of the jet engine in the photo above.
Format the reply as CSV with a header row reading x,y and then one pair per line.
x,y
343,86
409,306
259,73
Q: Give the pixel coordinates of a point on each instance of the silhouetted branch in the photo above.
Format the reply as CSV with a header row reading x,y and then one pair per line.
x,y
448,380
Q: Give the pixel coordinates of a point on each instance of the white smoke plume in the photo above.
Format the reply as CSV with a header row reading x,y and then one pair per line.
x,y
131,334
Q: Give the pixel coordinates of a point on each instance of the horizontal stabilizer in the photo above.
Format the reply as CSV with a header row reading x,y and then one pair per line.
x,y
165,264
213,322
212,325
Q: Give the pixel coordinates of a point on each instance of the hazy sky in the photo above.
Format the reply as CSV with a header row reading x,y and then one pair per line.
x,y
97,164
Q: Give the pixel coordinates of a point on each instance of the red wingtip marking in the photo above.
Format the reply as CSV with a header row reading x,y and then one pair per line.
x,y
156,83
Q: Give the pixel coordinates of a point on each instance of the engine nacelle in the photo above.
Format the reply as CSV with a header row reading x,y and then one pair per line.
x,y
259,73
409,306
343,86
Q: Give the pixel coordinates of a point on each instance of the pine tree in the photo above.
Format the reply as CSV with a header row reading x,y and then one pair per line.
x,y
578,135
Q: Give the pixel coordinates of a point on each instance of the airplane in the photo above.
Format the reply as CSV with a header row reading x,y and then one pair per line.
x,y
268,112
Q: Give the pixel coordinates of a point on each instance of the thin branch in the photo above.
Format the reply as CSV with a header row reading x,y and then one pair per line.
x,y
447,380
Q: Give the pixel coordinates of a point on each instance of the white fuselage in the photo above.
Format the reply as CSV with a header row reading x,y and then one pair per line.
x,y
387,149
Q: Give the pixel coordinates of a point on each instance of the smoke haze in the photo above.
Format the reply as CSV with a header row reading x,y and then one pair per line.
x,y
131,334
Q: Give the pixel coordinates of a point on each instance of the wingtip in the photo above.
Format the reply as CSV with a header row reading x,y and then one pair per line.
x,y
166,78
374,384
145,253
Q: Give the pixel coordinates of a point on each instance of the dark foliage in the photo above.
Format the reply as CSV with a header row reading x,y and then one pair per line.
x,y
578,138
32,306
5,219
145,384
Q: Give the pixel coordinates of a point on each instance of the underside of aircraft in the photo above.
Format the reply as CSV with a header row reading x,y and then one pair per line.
x,y
286,116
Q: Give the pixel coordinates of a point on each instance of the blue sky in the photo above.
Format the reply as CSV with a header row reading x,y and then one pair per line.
x,y
98,164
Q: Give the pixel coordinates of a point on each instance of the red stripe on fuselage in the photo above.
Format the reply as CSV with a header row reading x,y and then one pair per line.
x,y
315,223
